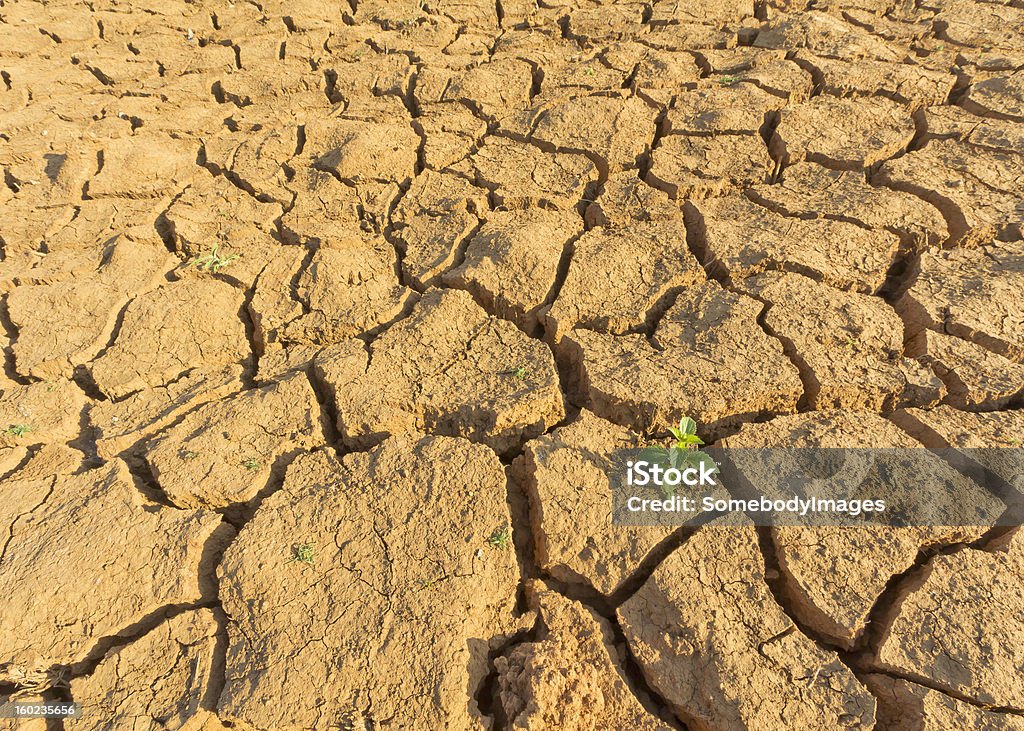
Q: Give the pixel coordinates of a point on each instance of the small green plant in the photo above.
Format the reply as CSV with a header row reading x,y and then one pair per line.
x,y
851,341
686,434
589,71
1016,442
499,538
729,80
303,553
189,454
17,430
213,262
519,372
683,453
252,464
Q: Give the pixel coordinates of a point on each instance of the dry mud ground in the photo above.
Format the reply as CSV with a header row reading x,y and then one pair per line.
x,y
348,474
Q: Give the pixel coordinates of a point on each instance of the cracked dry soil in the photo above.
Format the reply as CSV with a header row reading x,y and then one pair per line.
x,y
350,476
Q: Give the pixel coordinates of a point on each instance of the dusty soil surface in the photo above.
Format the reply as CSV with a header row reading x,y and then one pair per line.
x,y
320,320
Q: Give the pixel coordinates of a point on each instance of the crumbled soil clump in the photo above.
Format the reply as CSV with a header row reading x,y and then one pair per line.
x,y
570,677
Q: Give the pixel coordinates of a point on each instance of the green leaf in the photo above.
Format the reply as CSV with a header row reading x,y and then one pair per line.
x,y
675,457
686,433
698,458
654,455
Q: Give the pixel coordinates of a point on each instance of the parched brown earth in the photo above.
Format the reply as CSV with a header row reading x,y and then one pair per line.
x,y
321,323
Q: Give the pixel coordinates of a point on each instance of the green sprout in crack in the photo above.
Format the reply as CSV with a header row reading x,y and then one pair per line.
x,y
851,341
686,434
729,80
499,538
213,262
519,372
683,453
303,553
252,464
17,430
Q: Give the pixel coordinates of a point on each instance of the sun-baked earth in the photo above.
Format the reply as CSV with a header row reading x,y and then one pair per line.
x,y
320,320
